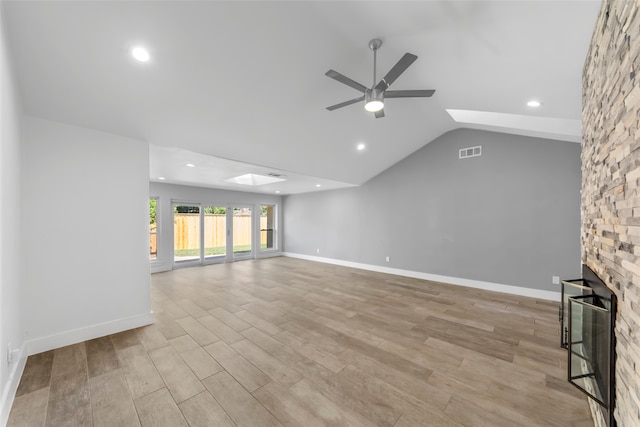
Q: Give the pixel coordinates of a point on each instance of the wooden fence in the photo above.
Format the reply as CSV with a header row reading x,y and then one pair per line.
x,y
153,243
186,234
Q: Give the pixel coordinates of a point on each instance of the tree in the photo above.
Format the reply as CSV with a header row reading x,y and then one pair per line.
x,y
152,210
217,210
186,209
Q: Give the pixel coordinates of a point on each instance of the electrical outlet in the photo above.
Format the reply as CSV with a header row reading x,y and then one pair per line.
x,y
318,250
555,280
387,259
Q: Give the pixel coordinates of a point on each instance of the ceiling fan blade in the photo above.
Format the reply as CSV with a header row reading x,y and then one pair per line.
x,y
395,72
379,113
344,104
409,93
345,80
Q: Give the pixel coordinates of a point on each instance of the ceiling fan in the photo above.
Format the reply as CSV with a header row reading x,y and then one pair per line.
x,y
374,97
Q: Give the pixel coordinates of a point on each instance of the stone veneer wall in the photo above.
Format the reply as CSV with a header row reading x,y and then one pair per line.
x,y
611,185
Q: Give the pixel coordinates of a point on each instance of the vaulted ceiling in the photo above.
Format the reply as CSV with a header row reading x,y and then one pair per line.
x,y
239,87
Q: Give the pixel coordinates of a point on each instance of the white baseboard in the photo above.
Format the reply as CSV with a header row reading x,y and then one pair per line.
x,y
268,254
488,286
9,391
38,345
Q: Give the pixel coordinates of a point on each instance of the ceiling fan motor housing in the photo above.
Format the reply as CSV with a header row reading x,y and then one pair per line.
x,y
374,95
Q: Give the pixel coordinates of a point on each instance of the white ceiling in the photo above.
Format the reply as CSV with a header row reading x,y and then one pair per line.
x,y
239,87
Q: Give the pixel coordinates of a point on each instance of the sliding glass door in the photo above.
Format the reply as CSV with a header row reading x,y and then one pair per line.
x,y
268,227
215,232
186,233
212,233
242,232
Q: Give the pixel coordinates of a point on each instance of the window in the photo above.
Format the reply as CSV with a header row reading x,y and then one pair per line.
x,y
153,229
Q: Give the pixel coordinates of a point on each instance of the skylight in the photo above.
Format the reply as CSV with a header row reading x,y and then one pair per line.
x,y
253,179
541,127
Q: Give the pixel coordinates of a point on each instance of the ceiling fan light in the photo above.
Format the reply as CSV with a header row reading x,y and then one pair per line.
x,y
374,105
374,100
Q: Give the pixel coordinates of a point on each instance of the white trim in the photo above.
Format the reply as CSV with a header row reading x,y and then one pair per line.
x,y
160,267
269,253
38,345
11,387
488,286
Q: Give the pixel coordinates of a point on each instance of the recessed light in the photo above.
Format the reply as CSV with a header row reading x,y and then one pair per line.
x,y
318,185
190,165
277,191
361,147
161,178
534,103
141,54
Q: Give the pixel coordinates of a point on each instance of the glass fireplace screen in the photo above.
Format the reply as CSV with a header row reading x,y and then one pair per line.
x,y
590,346
570,289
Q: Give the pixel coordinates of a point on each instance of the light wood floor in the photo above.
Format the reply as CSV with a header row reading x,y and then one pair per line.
x,y
283,341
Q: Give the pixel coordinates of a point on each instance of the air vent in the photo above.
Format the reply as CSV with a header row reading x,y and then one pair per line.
x,y
275,175
470,152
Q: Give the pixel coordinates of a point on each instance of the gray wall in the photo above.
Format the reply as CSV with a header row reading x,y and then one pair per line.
x,y
511,216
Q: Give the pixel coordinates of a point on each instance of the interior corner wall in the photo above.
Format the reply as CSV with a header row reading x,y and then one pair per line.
x,y
611,187
509,217
85,234
11,329
167,193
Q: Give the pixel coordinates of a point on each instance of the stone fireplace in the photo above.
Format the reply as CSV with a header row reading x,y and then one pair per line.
x,y
611,186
